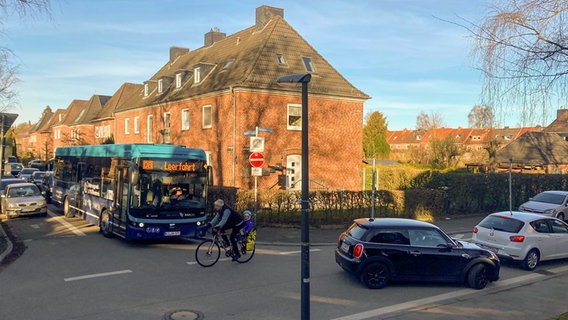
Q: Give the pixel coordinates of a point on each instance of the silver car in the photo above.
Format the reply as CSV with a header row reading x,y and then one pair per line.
x,y
549,203
20,199
524,237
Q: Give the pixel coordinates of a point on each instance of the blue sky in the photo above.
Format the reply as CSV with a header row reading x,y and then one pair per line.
x,y
401,53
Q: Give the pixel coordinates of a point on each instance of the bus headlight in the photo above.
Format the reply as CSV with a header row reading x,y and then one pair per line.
x,y
141,224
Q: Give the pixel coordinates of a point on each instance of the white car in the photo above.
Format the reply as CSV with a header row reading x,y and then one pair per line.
x,y
548,203
525,237
22,199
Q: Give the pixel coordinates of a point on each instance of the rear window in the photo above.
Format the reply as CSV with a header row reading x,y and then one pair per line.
x,y
356,231
502,223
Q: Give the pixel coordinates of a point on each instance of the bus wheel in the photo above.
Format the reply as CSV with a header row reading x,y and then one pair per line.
x,y
105,226
67,210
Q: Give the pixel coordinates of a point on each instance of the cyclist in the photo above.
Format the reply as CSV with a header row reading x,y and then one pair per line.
x,y
227,218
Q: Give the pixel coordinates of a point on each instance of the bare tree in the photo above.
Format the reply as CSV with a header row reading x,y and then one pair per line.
x,y
481,117
522,47
8,69
429,121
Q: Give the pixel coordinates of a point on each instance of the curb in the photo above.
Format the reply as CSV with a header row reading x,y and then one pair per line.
x,y
9,245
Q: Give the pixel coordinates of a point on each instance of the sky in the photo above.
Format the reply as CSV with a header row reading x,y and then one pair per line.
x,y
406,55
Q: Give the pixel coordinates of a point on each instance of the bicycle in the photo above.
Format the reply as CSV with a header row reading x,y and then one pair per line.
x,y
208,251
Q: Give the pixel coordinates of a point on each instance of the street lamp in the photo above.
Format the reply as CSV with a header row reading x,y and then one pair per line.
x,y
304,79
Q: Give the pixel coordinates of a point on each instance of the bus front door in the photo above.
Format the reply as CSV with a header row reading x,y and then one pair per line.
x,y
120,200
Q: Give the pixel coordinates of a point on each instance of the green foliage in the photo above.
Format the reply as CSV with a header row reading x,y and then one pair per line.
x,y
375,145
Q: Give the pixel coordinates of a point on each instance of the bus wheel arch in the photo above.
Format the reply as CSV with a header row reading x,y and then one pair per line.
x,y
105,224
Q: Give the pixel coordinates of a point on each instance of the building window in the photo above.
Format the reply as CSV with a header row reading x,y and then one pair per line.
x,y
178,80
149,129
197,75
228,64
127,126
136,125
185,119
280,58
207,121
145,89
294,117
160,85
308,64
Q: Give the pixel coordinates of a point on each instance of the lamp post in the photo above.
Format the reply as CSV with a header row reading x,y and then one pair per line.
x,y
304,79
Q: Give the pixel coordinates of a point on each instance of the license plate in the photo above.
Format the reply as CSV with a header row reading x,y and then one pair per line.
x,y
172,233
345,247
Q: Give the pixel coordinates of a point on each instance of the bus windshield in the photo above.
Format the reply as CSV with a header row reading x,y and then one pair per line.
x,y
169,190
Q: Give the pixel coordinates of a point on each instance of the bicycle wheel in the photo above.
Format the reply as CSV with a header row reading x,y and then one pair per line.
x,y
207,253
247,255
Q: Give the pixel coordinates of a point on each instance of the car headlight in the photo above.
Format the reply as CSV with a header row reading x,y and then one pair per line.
x,y
12,206
550,211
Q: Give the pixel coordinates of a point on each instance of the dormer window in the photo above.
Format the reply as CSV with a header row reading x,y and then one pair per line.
x,y
197,75
308,64
146,90
160,85
280,58
178,80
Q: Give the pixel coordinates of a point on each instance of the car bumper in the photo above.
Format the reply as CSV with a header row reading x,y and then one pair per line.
x,y
348,264
503,252
19,212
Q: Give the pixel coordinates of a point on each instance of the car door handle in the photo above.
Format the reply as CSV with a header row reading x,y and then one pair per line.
x,y
415,253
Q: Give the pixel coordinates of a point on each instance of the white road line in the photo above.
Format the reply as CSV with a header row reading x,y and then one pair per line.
x,y
97,275
191,263
66,224
441,297
298,251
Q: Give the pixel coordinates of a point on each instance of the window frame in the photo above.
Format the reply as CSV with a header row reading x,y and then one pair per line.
x,y
185,119
127,126
207,110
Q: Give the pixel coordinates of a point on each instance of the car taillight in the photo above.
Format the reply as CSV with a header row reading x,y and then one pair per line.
x,y
358,250
517,238
475,229
340,238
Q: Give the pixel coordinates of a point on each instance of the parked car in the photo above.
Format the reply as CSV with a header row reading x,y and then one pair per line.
x,y
524,237
21,199
12,168
380,250
26,173
548,203
40,164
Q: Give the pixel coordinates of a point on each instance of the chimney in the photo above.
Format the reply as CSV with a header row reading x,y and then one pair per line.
x,y
265,13
213,36
560,112
176,52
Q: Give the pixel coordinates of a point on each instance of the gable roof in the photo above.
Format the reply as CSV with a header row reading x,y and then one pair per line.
x,y
117,99
75,108
93,108
535,148
252,54
43,124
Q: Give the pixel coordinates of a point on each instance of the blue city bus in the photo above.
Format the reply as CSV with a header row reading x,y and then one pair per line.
x,y
125,189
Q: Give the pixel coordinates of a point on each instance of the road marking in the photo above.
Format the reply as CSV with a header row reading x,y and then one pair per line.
x,y
298,251
500,285
66,224
191,263
97,275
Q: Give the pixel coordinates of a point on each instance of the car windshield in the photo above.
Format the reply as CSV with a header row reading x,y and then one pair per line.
x,y
502,223
549,197
25,191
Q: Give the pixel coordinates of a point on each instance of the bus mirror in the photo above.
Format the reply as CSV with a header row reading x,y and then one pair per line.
x,y
209,176
134,176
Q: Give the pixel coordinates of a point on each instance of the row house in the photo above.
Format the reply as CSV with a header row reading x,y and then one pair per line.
x,y
210,97
472,141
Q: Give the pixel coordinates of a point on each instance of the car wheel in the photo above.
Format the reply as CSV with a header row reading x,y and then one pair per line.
x,y
531,260
67,210
105,224
375,276
477,276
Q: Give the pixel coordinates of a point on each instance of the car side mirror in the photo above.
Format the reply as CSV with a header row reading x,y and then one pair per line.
x,y
445,247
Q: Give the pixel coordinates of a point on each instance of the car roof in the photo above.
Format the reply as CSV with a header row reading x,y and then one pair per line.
x,y
21,184
393,222
556,192
522,216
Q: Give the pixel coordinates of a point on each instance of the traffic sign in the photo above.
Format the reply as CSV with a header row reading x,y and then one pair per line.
x,y
256,159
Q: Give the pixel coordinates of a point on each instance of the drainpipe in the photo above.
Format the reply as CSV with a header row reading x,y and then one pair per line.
x,y
234,134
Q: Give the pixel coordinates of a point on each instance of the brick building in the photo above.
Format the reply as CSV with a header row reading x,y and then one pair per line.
x,y
209,97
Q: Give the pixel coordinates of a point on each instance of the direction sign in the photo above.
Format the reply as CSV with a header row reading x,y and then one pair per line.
x,y
256,159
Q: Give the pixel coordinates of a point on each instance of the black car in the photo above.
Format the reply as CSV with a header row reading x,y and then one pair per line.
x,y
46,185
384,249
